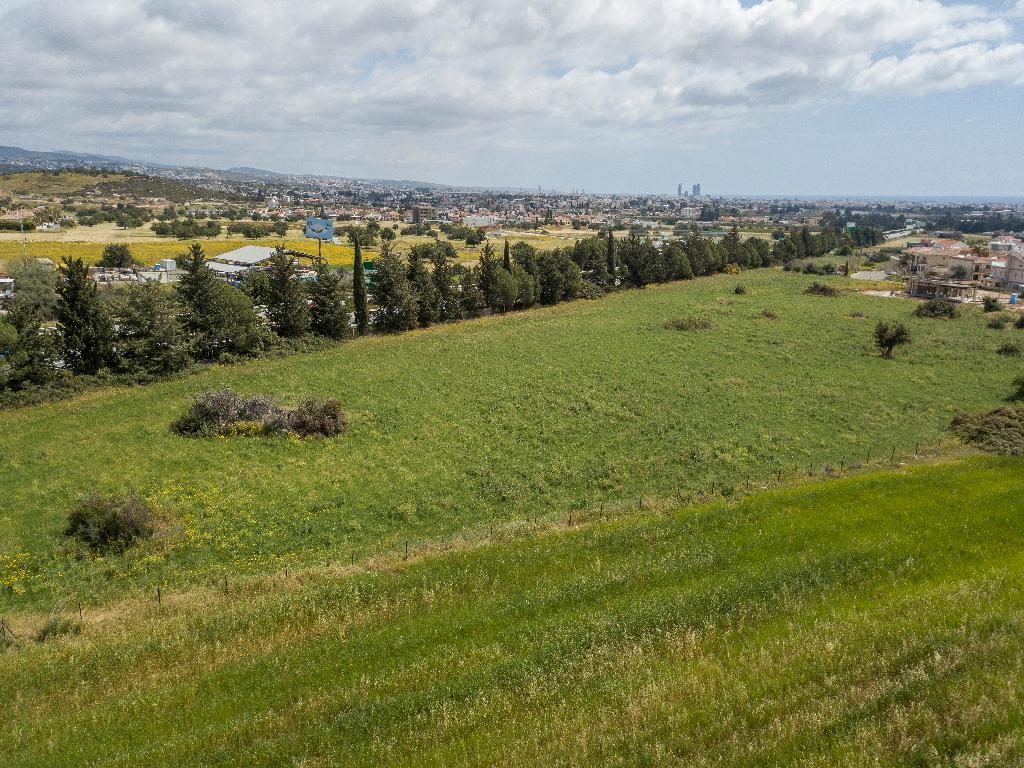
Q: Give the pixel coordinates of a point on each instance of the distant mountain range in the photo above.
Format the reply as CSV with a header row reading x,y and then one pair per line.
x,y
16,159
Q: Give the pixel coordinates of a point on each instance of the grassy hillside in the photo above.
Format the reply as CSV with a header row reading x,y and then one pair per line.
x,y
54,184
105,184
503,419
872,621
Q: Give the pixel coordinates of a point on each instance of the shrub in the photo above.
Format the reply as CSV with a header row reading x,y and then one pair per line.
x,y
1019,323
1000,431
820,289
688,324
990,304
111,524
889,335
210,413
767,314
938,308
57,627
858,315
1018,388
998,322
225,413
318,417
1009,349
740,290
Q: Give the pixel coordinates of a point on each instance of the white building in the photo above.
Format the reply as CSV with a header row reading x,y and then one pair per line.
x,y
479,221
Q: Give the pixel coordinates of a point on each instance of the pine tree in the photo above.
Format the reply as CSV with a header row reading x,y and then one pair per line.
x,y
488,274
359,291
450,302
83,321
394,294
506,261
328,313
221,319
472,294
196,287
428,300
286,298
150,336
731,248
31,360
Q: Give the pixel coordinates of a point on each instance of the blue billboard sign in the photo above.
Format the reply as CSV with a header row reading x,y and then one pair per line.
x,y
319,229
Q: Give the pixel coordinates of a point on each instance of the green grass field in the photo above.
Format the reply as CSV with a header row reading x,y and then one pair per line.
x,y
872,621
493,421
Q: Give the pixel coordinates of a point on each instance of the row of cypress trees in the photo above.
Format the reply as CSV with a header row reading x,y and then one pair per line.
x,y
151,331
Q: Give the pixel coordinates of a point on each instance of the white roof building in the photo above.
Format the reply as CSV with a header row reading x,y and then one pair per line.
x,y
248,255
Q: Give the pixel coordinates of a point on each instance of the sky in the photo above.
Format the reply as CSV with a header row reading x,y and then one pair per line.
x,y
787,97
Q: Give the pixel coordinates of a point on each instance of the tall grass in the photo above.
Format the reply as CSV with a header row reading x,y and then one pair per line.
x,y
868,621
502,419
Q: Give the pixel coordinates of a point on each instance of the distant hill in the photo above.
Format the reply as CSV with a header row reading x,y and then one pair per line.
x,y
58,183
14,159
247,172
18,160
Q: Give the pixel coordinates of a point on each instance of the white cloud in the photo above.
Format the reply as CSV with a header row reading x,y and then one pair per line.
x,y
363,79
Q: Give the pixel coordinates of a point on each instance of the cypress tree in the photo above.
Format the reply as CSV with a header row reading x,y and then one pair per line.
x,y
83,321
359,291
506,262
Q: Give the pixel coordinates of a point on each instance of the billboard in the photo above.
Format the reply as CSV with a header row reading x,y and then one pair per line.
x,y
319,229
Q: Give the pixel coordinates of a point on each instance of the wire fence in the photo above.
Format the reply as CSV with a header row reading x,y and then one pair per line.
x,y
396,554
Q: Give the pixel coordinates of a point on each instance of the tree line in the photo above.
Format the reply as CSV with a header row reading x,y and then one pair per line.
x,y
149,330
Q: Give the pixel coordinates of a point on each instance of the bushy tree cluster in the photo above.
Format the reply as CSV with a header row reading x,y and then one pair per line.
x,y
256,230
186,229
472,235
150,330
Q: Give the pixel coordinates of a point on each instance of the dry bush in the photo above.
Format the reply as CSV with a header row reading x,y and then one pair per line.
x,y
111,524
1000,431
323,418
224,413
938,308
820,289
688,324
